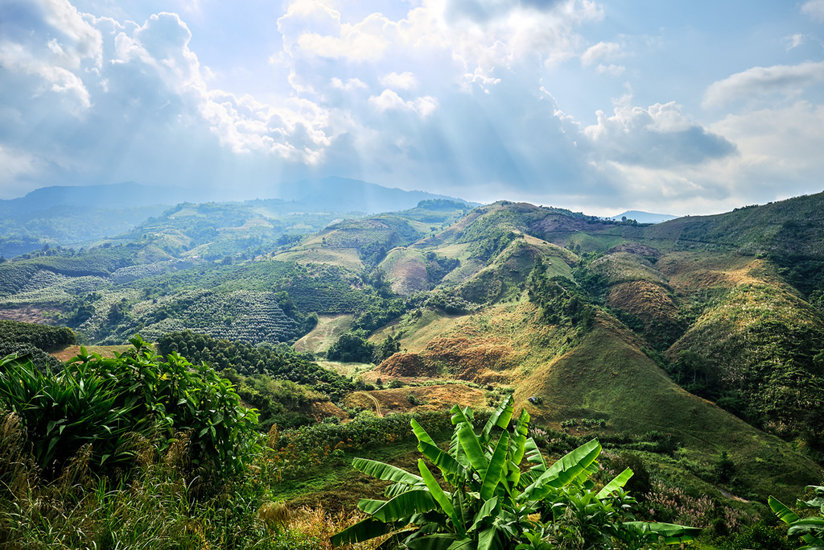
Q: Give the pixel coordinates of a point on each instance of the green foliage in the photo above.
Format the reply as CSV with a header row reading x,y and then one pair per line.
x,y
810,530
279,362
386,349
379,312
491,498
106,402
437,267
449,302
32,341
724,468
280,402
40,336
560,300
351,348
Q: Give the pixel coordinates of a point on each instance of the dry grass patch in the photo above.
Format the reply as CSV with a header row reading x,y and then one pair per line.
x,y
325,333
29,314
418,398
105,351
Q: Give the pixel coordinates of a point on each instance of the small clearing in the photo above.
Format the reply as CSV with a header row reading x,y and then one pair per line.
x,y
325,333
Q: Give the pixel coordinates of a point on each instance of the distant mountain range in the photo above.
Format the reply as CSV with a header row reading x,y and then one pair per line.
x,y
81,215
643,217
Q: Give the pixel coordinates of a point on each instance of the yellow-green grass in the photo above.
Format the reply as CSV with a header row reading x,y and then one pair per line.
x,y
344,257
439,397
350,370
604,374
405,269
106,351
607,376
325,333
622,267
418,331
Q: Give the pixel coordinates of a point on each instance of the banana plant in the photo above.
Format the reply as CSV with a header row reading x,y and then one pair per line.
x,y
809,530
486,500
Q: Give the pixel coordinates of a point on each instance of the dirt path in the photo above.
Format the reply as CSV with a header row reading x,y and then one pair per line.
x,y
377,403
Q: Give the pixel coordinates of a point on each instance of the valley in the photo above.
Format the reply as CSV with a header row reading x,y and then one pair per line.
x,y
676,344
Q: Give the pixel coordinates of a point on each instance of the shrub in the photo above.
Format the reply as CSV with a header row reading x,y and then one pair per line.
x,y
809,530
351,348
492,501
106,402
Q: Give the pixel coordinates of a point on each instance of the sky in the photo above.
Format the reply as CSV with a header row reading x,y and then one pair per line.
x,y
679,107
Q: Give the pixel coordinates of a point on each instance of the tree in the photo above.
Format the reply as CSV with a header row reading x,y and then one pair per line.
x,y
492,502
351,348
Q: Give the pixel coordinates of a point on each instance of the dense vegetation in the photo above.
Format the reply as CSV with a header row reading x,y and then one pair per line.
x,y
280,362
729,306
32,341
491,498
40,336
105,405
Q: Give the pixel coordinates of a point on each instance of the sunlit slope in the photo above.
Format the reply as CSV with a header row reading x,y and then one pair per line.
x,y
607,376
600,373
793,226
363,243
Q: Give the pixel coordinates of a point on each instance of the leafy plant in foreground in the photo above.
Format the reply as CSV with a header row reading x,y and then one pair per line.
x,y
106,402
810,529
492,503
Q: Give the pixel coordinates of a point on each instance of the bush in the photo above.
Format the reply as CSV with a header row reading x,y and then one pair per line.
x,y
108,403
351,348
493,502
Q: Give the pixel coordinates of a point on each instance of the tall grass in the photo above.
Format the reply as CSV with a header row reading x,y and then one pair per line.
x,y
158,507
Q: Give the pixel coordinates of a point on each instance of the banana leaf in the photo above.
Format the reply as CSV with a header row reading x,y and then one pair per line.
x,y
497,466
618,482
500,417
363,530
441,498
670,532
402,506
566,469
385,471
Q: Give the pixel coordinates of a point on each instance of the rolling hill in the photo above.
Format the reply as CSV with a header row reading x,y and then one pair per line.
x,y
707,330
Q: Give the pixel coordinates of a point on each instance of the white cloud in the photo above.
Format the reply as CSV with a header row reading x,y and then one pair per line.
x,y
390,100
82,39
600,52
793,41
787,81
349,85
814,8
659,135
399,81
780,148
16,58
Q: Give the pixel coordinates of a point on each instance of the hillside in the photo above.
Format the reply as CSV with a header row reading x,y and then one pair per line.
x,y
84,215
685,329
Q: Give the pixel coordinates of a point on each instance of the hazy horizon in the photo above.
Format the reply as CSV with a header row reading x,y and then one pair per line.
x,y
600,107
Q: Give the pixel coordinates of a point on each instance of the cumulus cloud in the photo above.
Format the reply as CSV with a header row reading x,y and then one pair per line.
x,y
358,94
756,83
389,100
659,135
